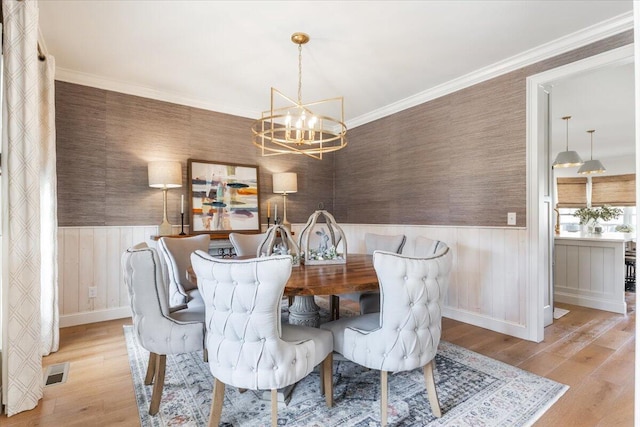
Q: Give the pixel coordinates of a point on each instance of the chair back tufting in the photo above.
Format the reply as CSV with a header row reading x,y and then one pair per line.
x,y
412,292
242,310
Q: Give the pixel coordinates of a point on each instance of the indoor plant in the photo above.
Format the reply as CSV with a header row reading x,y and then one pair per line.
x,y
591,216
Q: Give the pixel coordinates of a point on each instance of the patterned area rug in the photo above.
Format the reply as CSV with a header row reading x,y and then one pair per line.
x,y
474,390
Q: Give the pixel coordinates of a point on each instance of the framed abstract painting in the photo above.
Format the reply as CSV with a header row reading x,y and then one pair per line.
x,y
223,197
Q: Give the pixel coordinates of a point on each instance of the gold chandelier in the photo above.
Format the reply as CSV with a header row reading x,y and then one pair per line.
x,y
292,127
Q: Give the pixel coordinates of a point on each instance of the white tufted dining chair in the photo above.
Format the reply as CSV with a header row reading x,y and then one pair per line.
x,y
176,252
405,334
246,244
382,242
157,329
248,346
425,248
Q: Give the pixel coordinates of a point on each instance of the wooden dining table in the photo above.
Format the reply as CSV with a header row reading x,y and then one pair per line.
x,y
306,281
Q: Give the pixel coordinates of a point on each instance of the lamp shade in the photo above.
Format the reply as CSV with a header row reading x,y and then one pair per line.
x,y
567,159
164,174
592,167
285,183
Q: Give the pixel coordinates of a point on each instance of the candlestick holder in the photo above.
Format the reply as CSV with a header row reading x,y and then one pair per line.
x,y
268,222
182,233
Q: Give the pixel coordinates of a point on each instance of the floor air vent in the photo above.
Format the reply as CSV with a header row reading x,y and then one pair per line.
x,y
56,374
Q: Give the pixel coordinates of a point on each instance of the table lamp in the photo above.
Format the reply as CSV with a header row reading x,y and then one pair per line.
x,y
165,175
285,183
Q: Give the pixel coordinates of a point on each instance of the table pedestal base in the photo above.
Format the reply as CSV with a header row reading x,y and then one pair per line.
x,y
304,311
284,395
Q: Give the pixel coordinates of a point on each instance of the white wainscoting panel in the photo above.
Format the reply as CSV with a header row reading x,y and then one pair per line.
x,y
487,287
90,256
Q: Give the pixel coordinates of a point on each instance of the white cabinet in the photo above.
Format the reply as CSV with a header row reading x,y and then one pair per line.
x,y
589,270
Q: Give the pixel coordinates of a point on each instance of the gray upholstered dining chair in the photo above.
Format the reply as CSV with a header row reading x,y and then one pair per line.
x,y
383,242
158,329
176,252
426,247
405,334
248,346
246,244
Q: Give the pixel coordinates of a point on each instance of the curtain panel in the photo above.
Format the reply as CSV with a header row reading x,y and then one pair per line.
x,y
29,282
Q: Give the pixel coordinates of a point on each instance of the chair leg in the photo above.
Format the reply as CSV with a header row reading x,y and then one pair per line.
x,y
151,367
431,389
326,379
274,407
216,403
334,307
384,398
158,385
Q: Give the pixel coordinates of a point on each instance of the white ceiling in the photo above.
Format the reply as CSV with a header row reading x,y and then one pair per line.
x,y
381,56
602,100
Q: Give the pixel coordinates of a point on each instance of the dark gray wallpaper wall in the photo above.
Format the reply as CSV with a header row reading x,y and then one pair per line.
x,y
105,140
457,160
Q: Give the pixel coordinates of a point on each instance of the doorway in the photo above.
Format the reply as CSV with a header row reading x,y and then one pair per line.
x,y
539,180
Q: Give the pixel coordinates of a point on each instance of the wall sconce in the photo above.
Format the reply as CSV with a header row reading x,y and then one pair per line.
x,y
285,183
165,175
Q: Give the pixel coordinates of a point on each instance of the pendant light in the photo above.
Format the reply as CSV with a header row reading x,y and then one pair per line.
x,y
567,159
591,166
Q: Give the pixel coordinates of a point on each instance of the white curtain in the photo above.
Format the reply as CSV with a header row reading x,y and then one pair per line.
x,y
28,222
48,209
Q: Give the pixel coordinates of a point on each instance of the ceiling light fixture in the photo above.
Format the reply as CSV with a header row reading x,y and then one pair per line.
x,y
567,159
591,166
292,127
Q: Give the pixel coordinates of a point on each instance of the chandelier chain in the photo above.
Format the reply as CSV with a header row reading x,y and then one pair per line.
x,y
299,73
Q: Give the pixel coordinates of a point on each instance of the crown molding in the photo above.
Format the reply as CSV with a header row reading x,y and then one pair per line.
x,y
564,44
559,46
86,79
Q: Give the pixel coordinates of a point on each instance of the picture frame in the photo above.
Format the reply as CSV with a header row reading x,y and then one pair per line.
x,y
223,197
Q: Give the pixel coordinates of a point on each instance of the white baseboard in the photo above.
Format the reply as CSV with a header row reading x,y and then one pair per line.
x,y
587,301
502,326
94,316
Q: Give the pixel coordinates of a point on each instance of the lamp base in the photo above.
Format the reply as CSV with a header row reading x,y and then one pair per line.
x,y
165,229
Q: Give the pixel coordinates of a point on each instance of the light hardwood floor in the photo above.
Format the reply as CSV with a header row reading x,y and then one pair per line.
x,y
591,351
